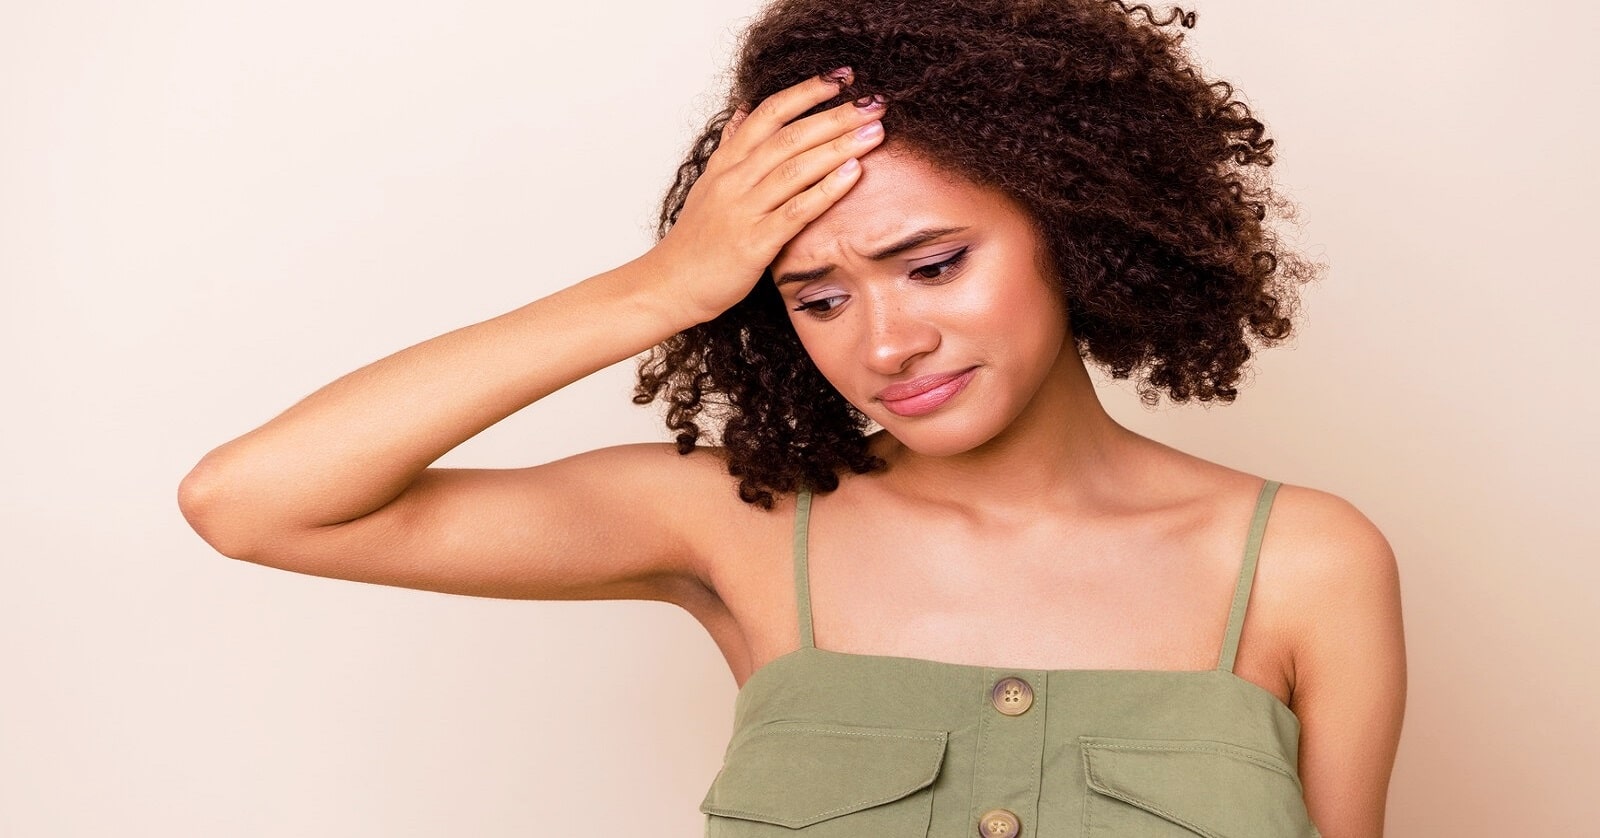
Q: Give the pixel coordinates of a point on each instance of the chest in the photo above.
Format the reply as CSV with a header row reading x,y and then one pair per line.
x,y
1141,591
1109,595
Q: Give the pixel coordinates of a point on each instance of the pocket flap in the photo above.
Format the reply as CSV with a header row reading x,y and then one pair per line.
x,y
1214,789
797,773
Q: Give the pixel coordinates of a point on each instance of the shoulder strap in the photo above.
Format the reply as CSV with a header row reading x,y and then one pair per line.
x,y
1247,575
802,577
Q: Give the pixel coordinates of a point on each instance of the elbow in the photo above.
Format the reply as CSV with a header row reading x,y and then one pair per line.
x,y
212,511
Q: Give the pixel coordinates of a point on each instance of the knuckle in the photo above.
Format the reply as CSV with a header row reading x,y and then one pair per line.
x,y
787,138
791,170
828,191
718,190
795,209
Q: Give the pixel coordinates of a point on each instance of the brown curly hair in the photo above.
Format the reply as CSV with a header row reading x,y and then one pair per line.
x,y
1147,184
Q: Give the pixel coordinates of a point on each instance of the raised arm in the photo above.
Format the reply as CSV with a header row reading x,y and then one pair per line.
x,y
339,485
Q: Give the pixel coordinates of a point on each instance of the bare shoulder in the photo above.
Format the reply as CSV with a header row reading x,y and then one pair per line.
x,y
1339,583
1315,541
1324,547
697,475
726,547
1331,581
688,497
1323,632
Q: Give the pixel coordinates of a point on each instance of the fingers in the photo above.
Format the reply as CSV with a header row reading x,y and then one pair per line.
x,y
777,110
781,225
800,171
797,138
787,171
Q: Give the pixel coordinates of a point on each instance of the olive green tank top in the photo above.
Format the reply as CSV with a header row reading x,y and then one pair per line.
x,y
830,744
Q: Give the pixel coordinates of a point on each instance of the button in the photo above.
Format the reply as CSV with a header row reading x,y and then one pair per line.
x,y
999,823
1012,696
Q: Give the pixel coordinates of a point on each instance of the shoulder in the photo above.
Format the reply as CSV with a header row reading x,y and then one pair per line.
x,y
1322,544
1331,578
655,461
1322,562
1314,541
692,488
691,503
644,466
1342,582
689,498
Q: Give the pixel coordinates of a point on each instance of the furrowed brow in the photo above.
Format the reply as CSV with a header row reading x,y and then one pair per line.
x,y
922,236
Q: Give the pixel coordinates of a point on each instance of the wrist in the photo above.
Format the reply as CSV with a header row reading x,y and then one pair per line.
x,y
650,287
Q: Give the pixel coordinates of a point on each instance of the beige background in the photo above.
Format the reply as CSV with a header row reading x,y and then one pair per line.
x,y
207,210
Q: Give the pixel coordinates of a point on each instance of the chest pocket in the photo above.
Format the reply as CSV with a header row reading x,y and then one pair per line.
x,y
1150,788
824,780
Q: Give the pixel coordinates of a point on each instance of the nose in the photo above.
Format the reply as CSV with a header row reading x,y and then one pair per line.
x,y
895,335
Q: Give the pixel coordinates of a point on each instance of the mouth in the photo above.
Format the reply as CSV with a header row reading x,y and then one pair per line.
x,y
922,395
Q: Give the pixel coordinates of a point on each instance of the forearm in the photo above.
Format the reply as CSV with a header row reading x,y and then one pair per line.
x,y
357,443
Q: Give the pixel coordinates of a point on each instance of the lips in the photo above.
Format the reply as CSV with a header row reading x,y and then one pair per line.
x,y
930,393
918,386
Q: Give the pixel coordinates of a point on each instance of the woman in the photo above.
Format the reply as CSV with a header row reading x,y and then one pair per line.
x,y
1015,616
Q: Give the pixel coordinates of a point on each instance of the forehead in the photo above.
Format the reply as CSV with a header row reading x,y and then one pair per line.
x,y
897,192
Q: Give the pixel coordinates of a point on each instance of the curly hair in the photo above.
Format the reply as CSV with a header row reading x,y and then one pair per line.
x,y
1146,182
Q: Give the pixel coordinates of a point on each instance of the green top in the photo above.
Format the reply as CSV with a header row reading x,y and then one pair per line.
x,y
836,744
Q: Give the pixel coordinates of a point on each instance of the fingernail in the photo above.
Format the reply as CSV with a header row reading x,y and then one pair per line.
x,y
876,100
841,74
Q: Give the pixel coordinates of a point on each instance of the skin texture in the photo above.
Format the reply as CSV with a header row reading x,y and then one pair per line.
x,y
1146,180
874,324
1018,525
1021,486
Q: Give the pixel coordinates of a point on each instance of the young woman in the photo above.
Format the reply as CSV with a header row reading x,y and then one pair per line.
x,y
957,596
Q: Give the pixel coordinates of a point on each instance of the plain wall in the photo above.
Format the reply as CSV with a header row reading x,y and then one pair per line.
x,y
208,210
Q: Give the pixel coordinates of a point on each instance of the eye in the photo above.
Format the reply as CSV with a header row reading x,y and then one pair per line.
x,y
943,269
822,306
815,307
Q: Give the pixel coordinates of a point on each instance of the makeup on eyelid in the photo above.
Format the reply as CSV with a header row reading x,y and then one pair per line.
x,y
951,266
929,289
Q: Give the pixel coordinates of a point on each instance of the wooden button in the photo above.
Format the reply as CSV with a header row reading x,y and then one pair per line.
x,y
999,823
1012,696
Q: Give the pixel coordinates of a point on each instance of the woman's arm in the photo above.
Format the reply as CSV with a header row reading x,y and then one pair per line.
x,y
1349,664
338,484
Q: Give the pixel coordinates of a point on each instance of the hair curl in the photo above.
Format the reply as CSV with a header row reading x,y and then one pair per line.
x,y
1147,183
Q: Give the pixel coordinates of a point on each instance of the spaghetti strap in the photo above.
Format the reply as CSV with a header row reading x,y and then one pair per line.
x,y
802,576
1247,575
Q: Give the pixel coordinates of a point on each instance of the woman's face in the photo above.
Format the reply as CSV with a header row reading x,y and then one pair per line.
x,y
919,297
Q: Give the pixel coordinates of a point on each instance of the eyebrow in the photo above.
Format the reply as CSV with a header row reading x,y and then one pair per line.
x,y
922,236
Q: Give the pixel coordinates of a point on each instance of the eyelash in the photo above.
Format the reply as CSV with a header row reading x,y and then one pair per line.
x,y
954,264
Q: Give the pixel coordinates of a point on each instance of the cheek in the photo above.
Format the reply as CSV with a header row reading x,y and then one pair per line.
x,y
1020,316
1008,299
823,348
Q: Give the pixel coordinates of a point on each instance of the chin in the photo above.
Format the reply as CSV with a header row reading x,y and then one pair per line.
x,y
936,436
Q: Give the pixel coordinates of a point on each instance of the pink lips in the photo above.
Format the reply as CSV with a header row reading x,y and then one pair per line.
x,y
922,395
